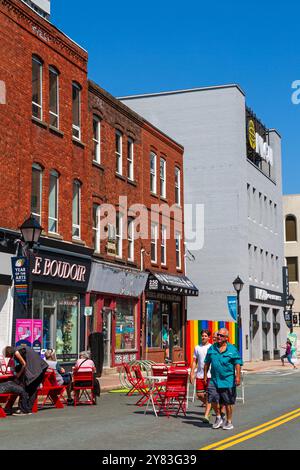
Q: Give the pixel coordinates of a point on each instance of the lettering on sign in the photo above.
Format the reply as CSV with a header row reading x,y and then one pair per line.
x,y
258,144
262,294
59,269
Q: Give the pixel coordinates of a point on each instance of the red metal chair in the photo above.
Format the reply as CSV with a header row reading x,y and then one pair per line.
x,y
142,387
83,387
173,398
158,370
52,392
7,399
132,379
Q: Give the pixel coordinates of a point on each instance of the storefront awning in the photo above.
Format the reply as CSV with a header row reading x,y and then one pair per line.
x,y
169,283
109,279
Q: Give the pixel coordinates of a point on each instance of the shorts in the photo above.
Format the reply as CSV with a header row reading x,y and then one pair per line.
x,y
222,396
200,385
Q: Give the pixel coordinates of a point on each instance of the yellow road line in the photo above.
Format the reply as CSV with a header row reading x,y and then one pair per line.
x,y
257,433
251,430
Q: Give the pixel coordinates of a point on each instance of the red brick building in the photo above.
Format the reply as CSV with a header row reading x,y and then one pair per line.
x,y
82,163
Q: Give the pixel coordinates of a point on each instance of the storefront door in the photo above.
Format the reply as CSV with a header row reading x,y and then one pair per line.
x,y
106,329
49,332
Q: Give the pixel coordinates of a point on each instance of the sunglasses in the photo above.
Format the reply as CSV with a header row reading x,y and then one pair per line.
x,y
222,336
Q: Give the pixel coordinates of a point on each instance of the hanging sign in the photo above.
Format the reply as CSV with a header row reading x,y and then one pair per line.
x,y
20,274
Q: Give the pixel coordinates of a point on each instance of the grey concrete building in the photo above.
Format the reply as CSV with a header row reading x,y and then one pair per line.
x,y
232,168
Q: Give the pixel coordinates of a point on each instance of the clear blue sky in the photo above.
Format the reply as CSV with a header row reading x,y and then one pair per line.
x,y
139,47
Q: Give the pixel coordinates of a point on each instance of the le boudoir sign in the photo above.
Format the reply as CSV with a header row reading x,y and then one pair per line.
x,y
61,270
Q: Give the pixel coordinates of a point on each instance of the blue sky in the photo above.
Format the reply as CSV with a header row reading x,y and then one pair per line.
x,y
140,47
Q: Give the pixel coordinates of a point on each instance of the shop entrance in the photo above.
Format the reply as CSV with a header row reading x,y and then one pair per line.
x,y
49,327
106,330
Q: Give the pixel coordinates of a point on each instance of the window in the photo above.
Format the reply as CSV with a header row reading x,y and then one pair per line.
x,y
153,172
76,104
130,157
153,324
119,237
249,200
119,162
163,177
36,192
96,227
290,228
163,245
125,325
275,218
96,139
262,265
177,186
53,203
260,209
254,204
37,88
178,250
76,209
250,261
292,264
154,243
53,97
131,240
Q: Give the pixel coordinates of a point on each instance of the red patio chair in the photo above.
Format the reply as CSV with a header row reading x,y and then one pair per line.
x,y
131,378
83,387
52,392
158,370
173,398
142,387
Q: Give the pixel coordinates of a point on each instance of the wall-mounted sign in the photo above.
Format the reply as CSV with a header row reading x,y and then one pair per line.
x,y
52,268
259,144
169,283
111,248
88,311
257,294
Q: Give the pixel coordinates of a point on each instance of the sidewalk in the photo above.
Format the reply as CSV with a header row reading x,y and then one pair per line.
x,y
112,382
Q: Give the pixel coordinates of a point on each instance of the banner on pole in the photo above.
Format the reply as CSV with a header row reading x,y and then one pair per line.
x,y
20,269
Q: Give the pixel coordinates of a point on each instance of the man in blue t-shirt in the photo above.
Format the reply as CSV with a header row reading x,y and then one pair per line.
x,y
225,362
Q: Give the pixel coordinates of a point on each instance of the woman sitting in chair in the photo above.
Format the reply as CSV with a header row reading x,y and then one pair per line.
x,y
62,377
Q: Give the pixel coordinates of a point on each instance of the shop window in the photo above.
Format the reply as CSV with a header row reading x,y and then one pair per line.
x,y
37,88
59,313
176,324
153,324
125,325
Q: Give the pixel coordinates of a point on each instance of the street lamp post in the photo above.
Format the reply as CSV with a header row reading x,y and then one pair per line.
x,y
238,286
290,302
31,231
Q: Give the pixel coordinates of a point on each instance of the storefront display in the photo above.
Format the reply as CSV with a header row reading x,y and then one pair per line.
x,y
125,325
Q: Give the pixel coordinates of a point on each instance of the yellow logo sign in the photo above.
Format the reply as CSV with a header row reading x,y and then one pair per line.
x,y
252,134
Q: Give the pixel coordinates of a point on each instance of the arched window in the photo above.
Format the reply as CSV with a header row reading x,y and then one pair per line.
x,y
290,228
36,191
37,87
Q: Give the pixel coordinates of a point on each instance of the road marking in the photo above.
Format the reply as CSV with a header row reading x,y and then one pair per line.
x,y
252,431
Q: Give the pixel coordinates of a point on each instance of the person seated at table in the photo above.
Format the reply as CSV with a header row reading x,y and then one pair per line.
x,y
84,362
62,377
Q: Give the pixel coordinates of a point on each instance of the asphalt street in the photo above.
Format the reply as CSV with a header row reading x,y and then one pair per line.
x,y
116,423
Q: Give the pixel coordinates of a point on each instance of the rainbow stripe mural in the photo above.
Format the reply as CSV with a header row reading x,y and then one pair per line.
x,y
194,328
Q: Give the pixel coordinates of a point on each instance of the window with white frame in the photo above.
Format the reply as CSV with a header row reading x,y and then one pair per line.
x,y
130,159
163,250
36,191
154,237
96,139
177,186
96,227
178,250
130,239
76,209
53,97
163,177
37,88
119,153
53,202
119,235
76,105
153,172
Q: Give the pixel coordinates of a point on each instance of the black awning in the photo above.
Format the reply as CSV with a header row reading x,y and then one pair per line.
x,y
169,283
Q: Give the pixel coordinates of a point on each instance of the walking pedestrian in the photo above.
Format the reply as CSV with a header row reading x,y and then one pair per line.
x,y
225,362
198,362
31,369
288,353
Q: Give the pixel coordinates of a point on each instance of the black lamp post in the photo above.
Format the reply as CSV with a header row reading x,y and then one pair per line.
x,y
31,231
238,287
290,302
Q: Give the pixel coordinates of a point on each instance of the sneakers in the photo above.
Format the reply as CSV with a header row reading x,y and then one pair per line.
x,y
20,413
218,423
228,426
